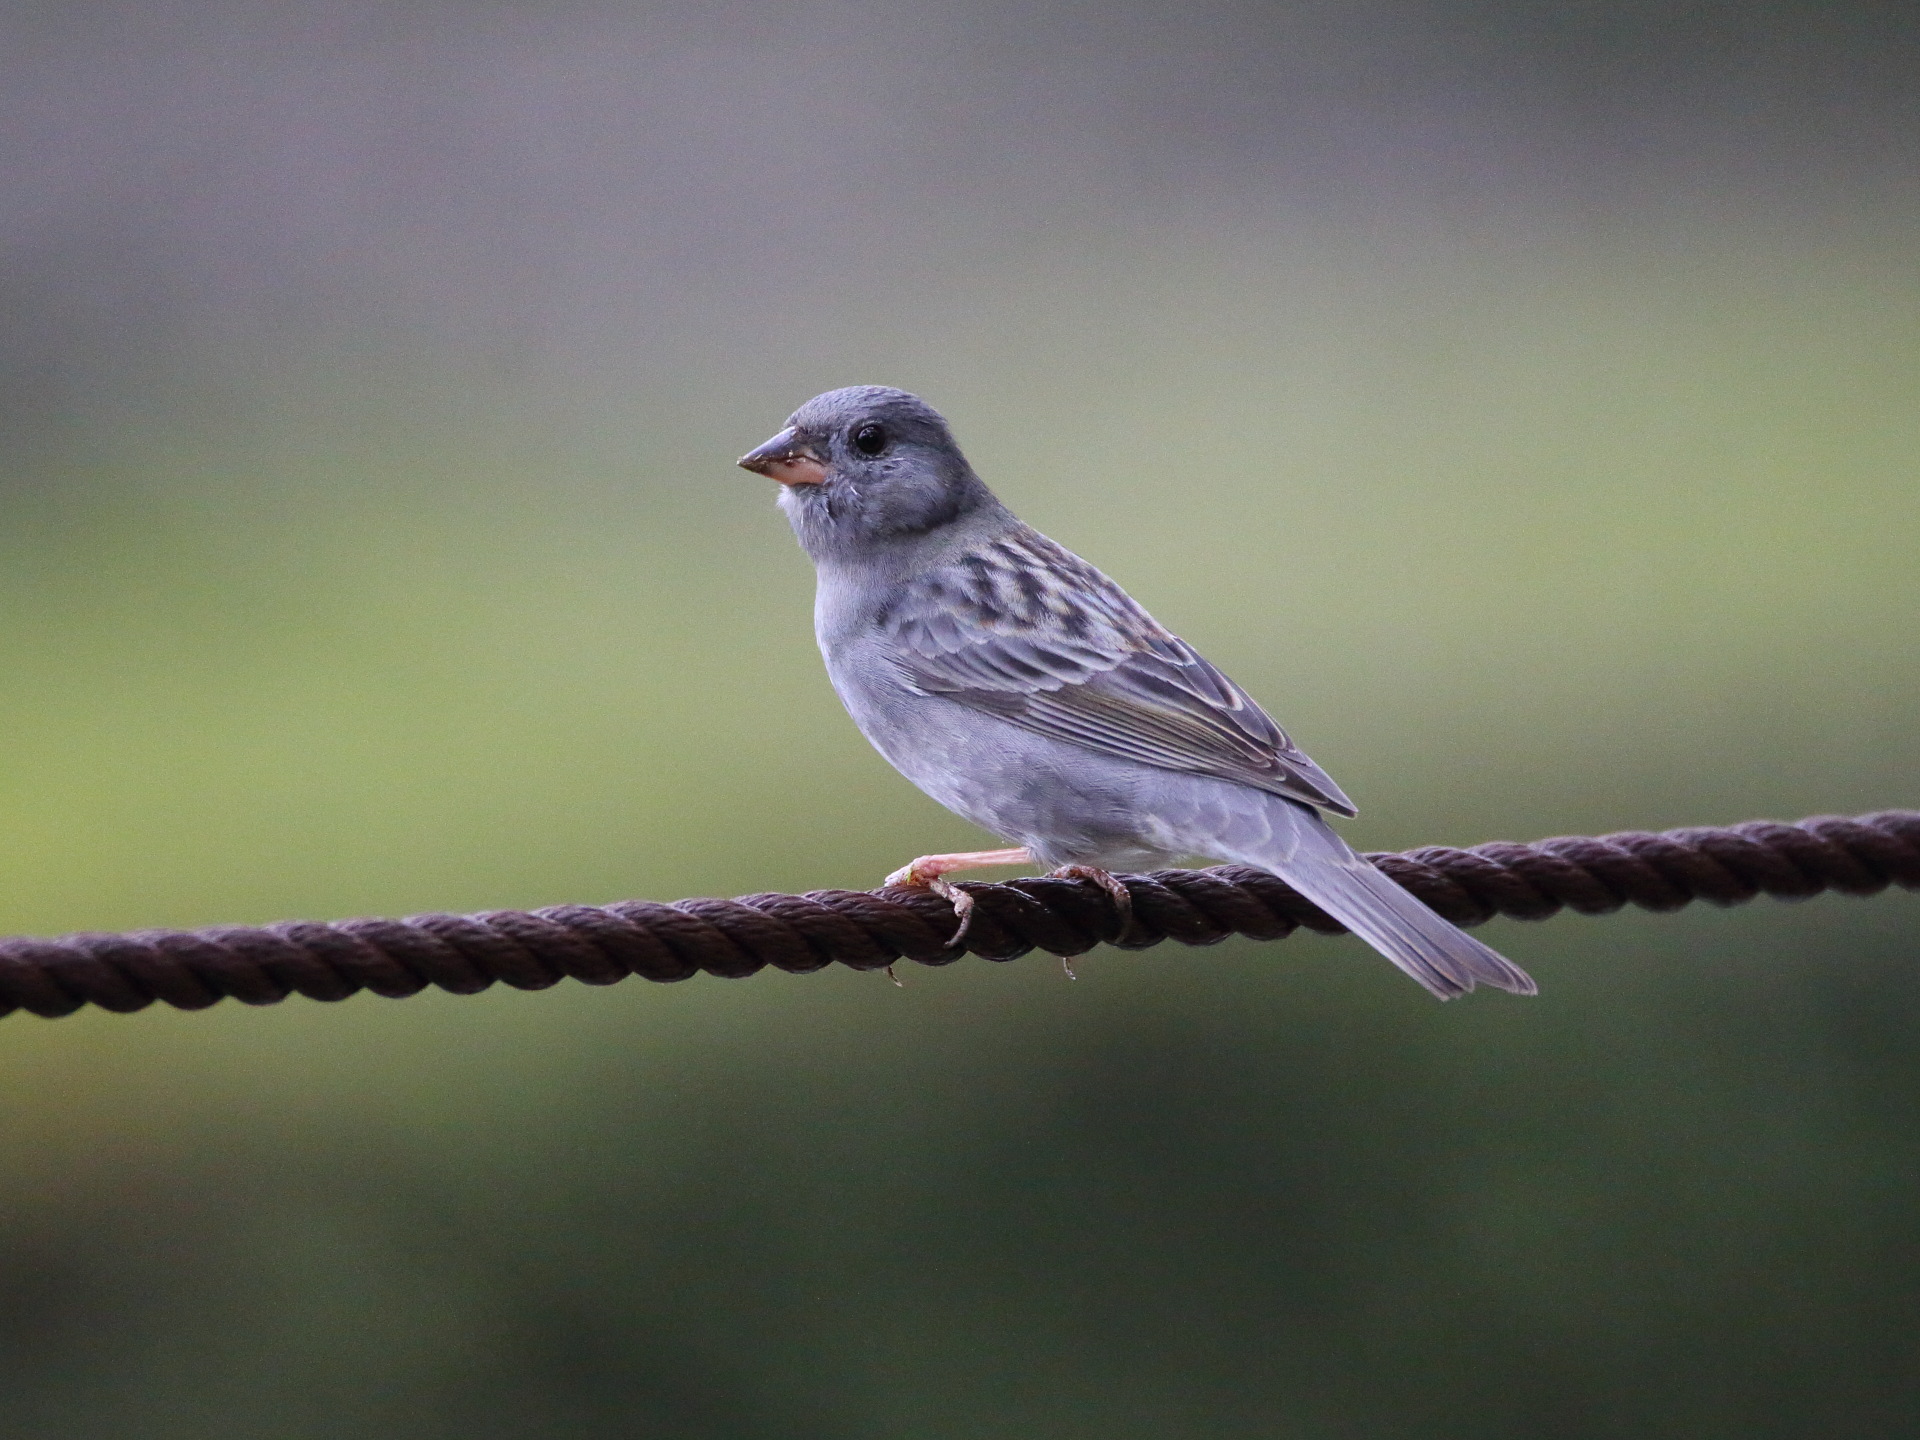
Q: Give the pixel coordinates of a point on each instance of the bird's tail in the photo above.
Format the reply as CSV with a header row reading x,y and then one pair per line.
x,y
1302,849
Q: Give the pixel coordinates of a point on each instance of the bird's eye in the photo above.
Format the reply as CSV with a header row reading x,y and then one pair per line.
x,y
870,439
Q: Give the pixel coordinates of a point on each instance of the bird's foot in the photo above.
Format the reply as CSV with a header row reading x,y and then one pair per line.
x,y
1105,879
930,872
926,873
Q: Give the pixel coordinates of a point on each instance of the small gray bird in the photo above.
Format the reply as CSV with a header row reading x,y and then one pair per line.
x,y
1027,692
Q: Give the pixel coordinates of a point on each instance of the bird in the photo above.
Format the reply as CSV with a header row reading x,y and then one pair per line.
x,y
1025,691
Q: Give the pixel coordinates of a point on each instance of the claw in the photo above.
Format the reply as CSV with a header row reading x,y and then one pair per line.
x,y
1116,892
962,904
930,872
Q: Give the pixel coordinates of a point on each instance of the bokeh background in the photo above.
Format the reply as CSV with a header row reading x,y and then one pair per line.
x,y
1520,398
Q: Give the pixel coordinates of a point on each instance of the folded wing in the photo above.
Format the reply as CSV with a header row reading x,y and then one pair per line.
x,y
1028,631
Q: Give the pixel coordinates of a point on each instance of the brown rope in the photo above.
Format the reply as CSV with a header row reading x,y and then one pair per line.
x,y
868,930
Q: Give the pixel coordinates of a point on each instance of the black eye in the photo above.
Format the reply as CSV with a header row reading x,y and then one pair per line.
x,y
870,439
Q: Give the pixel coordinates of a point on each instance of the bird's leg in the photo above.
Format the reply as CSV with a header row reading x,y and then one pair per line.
x,y
926,873
929,872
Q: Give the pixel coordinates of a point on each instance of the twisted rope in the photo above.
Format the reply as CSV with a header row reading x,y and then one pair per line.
x,y
869,930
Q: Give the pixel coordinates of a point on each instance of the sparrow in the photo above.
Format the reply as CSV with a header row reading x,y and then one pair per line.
x,y
1025,691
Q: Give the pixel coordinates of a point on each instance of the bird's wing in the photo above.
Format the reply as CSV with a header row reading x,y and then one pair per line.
x,y
1028,631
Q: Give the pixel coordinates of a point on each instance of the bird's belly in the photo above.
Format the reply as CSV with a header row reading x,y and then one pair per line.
x,y
1067,804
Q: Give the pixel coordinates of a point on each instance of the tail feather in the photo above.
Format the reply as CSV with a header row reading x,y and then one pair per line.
x,y
1306,853
1440,955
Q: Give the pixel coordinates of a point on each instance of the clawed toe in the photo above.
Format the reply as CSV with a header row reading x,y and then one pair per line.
x,y
961,901
930,872
962,904
1122,898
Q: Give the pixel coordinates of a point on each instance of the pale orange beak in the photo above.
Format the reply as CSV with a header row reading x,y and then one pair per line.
x,y
788,457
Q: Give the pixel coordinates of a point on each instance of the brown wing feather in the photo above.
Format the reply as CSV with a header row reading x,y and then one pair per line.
x,y
1028,631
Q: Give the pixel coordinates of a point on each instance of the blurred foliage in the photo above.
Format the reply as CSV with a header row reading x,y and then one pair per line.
x,y
1525,410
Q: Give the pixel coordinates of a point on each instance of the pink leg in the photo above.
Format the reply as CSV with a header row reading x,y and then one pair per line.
x,y
929,872
926,872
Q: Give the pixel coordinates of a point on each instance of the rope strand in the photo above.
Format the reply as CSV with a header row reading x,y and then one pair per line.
x,y
869,930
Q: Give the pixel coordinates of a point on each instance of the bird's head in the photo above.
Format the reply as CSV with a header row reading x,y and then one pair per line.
x,y
866,468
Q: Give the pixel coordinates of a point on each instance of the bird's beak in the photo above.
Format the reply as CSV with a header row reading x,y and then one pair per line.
x,y
788,457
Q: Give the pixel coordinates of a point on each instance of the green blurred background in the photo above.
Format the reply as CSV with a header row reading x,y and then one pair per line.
x,y
1521,399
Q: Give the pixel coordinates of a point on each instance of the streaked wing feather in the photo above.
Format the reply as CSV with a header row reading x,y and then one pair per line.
x,y
1025,630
